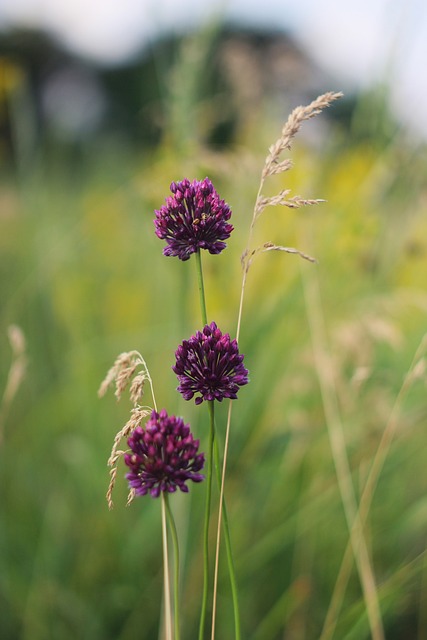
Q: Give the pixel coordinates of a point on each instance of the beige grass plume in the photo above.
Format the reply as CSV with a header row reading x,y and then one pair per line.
x,y
16,373
127,366
275,165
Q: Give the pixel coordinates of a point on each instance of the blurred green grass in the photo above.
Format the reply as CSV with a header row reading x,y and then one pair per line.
x,y
82,274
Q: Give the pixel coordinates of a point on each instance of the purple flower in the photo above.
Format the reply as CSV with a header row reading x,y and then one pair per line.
x,y
209,363
164,456
193,218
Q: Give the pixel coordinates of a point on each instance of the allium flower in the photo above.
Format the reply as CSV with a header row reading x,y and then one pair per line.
x,y
164,456
209,363
193,218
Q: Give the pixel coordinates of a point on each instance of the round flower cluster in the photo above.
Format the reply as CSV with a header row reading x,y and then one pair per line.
x,y
164,456
209,364
193,218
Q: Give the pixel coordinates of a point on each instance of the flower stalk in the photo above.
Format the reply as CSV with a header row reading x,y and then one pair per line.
x,y
175,545
222,516
208,501
201,287
166,578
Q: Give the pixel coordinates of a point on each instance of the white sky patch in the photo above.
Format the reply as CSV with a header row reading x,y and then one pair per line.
x,y
359,41
350,39
108,31
107,34
105,30
409,93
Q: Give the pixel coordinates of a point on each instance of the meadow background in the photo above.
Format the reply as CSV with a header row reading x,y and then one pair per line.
x,y
328,346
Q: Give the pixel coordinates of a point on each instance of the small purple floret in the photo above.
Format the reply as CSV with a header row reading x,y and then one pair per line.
x,y
164,456
209,364
193,218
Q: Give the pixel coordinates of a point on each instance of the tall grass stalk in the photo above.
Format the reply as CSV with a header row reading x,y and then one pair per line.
x,y
369,488
16,374
339,453
274,164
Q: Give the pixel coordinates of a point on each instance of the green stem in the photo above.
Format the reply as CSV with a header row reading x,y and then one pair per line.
x,y
226,528
213,444
174,536
201,287
207,519
166,582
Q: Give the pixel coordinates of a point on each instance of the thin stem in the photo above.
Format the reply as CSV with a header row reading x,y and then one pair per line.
x,y
218,532
174,535
15,376
202,299
246,261
201,287
223,516
221,477
206,524
222,506
150,381
288,132
166,580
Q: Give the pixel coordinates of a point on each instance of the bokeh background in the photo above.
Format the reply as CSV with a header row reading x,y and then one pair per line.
x,y
102,105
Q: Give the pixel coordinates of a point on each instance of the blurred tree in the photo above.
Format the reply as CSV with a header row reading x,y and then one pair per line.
x,y
207,86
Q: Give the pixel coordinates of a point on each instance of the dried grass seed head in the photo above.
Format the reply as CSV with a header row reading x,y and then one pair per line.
x,y
137,416
291,128
122,371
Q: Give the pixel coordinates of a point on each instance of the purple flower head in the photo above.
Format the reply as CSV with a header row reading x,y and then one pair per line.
x,y
193,218
209,363
163,456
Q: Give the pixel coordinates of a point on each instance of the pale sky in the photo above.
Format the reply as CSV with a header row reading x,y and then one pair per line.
x,y
359,41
